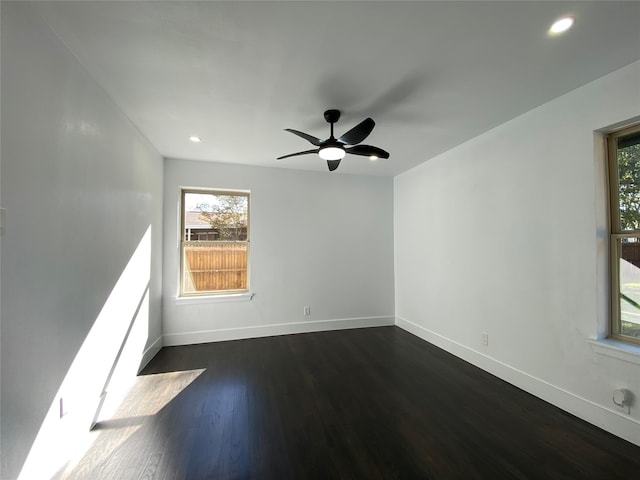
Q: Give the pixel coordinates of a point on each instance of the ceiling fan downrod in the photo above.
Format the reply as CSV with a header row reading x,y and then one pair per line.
x,y
332,116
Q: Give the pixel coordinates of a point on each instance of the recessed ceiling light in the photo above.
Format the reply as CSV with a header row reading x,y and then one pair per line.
x,y
194,139
562,25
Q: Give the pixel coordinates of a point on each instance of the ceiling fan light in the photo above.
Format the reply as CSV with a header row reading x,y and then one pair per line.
x,y
332,153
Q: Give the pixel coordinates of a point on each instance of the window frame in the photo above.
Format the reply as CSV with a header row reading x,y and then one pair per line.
x,y
182,241
616,234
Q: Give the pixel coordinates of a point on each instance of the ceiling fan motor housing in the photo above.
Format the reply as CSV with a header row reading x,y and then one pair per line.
x,y
332,116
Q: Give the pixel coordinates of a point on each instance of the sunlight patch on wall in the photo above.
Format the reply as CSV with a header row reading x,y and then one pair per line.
x,y
105,365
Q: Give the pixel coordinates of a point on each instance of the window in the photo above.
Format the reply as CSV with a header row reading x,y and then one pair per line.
x,y
214,250
624,185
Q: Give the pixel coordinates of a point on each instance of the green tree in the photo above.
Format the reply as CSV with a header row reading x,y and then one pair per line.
x,y
228,216
629,186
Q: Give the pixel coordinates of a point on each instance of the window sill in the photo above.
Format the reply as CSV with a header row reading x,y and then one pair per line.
x,y
232,297
615,349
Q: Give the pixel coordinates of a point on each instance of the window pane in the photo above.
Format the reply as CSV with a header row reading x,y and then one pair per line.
x,y
215,238
629,272
628,158
215,217
214,266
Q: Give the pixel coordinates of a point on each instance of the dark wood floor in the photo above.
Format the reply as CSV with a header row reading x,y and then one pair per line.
x,y
374,403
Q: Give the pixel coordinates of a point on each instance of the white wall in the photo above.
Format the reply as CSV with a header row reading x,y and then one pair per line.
x,y
1,232
501,235
506,234
81,253
318,239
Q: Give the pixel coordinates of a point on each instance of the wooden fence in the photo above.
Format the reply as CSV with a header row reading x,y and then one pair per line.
x,y
223,266
214,266
631,252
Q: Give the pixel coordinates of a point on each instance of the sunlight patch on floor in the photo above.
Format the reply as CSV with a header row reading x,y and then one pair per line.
x,y
157,390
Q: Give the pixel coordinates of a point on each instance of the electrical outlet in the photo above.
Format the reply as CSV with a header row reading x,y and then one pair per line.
x,y
485,339
307,310
622,399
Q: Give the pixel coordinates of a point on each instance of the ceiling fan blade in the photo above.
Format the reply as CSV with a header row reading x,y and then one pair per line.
x,y
333,164
315,150
310,138
367,151
358,133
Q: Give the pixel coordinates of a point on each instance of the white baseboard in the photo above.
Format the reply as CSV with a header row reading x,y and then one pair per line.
x,y
189,338
151,351
609,420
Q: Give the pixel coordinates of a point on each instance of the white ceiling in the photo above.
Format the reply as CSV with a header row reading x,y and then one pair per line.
x,y
431,74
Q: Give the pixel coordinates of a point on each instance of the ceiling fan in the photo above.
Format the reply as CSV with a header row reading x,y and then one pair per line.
x,y
334,149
